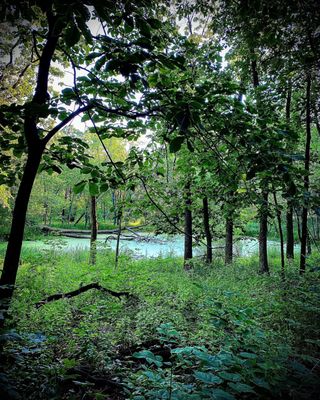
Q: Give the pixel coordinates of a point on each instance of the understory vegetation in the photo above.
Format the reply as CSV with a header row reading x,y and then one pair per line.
x,y
187,130
210,333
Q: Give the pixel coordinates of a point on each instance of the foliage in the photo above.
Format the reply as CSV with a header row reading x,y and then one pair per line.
x,y
215,333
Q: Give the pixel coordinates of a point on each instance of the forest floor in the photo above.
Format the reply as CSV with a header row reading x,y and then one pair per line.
x,y
215,332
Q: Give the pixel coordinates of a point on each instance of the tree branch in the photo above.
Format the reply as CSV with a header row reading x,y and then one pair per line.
x,y
63,123
82,289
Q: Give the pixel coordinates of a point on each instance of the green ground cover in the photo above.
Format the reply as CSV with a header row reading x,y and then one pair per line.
x,y
212,333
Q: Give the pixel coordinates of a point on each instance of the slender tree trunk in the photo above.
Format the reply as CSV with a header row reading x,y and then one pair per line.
x,y
229,241
118,240
187,228
12,257
207,231
50,216
63,212
94,231
299,225
278,212
309,247
263,235
290,230
70,216
45,215
114,204
289,214
86,216
304,219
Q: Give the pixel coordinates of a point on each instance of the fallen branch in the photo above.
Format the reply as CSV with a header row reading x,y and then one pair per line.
x,y
82,289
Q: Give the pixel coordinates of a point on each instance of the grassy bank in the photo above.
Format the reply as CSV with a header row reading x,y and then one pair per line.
x,y
212,333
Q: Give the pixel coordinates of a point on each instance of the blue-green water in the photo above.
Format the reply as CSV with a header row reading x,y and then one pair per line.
x,y
157,246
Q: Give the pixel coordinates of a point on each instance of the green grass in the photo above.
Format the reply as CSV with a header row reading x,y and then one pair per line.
x,y
225,310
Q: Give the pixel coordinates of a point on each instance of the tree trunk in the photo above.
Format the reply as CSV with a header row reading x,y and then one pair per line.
x,y
70,216
86,216
118,240
309,247
35,149
299,224
207,232
12,257
304,219
114,204
263,235
229,241
289,215
94,231
278,212
187,228
290,235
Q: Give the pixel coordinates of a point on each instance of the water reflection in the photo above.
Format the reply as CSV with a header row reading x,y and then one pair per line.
x,y
156,246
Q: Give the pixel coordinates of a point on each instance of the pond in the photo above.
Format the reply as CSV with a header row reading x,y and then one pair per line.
x,y
154,246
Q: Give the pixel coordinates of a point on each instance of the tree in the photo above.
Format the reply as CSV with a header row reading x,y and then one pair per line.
x,y
64,25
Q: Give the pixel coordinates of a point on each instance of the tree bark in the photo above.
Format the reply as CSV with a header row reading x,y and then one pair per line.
x,y
118,240
304,219
187,227
290,235
263,235
94,231
114,204
207,231
229,241
289,215
278,212
12,257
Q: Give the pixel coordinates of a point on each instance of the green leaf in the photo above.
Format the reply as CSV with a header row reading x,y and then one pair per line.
x,y
144,28
219,394
149,357
100,62
93,189
72,35
228,376
261,383
208,378
244,354
154,23
68,94
79,187
241,387
176,143
104,187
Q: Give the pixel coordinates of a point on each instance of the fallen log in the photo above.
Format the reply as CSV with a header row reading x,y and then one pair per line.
x,y
82,289
48,229
62,231
73,235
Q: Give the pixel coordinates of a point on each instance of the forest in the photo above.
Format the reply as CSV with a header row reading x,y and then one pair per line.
x,y
159,200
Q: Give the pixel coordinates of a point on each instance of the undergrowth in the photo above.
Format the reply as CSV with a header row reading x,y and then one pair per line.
x,y
214,332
